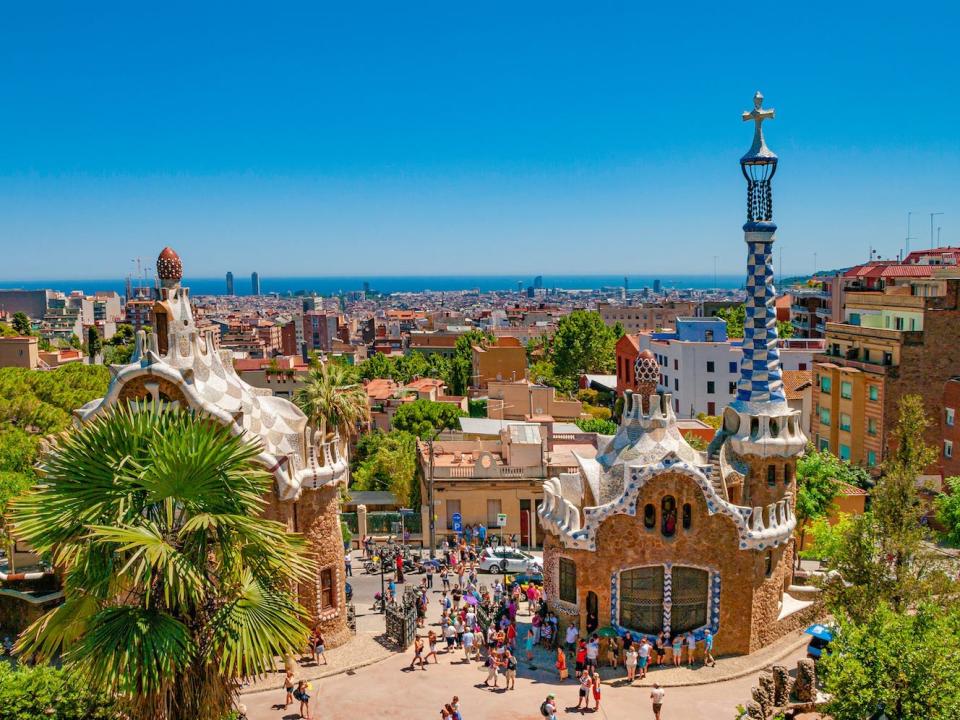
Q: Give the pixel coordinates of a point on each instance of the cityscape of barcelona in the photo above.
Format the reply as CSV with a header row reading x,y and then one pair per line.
x,y
491,362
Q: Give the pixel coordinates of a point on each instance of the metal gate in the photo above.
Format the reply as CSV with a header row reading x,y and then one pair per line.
x,y
401,619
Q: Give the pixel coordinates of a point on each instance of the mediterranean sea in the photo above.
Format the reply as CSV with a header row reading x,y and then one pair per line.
x,y
332,285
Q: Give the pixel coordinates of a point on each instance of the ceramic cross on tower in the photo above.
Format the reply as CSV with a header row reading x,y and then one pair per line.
x,y
758,115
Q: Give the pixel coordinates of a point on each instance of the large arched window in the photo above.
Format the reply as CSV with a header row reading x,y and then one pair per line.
x,y
668,516
641,599
690,599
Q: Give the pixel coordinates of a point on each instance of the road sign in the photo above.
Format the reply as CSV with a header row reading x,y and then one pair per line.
x,y
457,521
501,520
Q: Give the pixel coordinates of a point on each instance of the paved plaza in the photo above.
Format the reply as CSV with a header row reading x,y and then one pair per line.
x,y
380,685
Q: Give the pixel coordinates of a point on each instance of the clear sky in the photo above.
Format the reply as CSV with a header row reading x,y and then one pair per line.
x,y
443,138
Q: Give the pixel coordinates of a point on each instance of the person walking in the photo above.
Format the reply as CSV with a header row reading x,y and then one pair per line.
x,y
580,658
548,708
656,696
593,652
708,658
661,648
493,668
399,564
432,647
418,654
571,638
561,665
303,697
348,562
510,669
467,640
429,571
318,646
631,663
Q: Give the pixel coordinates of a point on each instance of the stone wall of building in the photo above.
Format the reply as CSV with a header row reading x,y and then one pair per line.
x,y
748,598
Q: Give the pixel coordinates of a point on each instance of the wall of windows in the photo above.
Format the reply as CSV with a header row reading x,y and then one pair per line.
x,y
643,595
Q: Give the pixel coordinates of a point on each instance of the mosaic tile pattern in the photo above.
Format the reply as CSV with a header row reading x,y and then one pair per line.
x,y
761,379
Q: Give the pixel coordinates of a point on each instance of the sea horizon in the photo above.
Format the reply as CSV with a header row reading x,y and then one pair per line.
x,y
335,284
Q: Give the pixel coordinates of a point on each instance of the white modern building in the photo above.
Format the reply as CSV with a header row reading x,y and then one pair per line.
x,y
701,367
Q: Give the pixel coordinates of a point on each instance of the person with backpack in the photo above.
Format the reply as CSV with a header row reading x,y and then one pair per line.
x,y
548,708
303,697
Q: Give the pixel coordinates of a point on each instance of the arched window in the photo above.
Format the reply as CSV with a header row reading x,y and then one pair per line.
x,y
787,474
687,516
690,598
771,474
768,563
326,587
668,516
649,516
568,580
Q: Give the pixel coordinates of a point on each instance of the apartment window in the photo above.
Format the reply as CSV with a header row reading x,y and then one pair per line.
x,y
568,580
732,388
871,426
326,588
888,358
873,392
710,366
948,448
494,508
676,364
676,406
771,475
824,445
846,390
845,452
844,422
733,367
711,408
676,384
950,416
871,458
824,416
711,387
802,367
453,507
825,383
899,323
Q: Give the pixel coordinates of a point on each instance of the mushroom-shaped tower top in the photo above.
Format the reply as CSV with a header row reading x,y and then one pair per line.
x,y
169,267
646,372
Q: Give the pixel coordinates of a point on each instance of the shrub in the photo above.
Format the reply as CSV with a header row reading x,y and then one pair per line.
x,y
28,693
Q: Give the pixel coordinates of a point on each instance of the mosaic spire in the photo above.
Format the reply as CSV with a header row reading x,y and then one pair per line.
x,y
761,379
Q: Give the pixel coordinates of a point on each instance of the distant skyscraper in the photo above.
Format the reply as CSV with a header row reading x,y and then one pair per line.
x,y
255,283
656,287
366,286
538,282
229,283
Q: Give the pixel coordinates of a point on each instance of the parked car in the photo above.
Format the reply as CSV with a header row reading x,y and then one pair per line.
x,y
525,578
503,560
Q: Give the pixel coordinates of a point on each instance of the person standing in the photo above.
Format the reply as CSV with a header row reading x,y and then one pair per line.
x,y
593,652
596,691
677,649
399,564
493,667
303,697
691,649
288,687
661,648
586,687
631,663
430,571
467,640
571,639
656,695
510,669
432,647
348,563
644,656
548,708
561,664
580,659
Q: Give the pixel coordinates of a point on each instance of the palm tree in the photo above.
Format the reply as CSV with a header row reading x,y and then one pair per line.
x,y
176,588
333,397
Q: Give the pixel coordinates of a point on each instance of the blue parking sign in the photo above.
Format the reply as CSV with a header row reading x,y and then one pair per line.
x,y
456,520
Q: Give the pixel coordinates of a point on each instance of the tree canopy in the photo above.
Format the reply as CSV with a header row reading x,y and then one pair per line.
x,y
948,511
736,315
387,461
582,343
333,399
424,418
597,425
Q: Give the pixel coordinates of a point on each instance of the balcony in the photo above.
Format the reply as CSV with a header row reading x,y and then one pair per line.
x,y
843,361
859,333
824,313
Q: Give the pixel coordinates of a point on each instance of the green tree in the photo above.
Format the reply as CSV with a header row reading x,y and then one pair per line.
x,y
477,408
21,324
333,398
817,486
582,343
948,511
43,691
387,461
907,662
784,329
376,366
461,364
94,344
597,425
618,330
12,485
735,315
425,418
714,421
176,588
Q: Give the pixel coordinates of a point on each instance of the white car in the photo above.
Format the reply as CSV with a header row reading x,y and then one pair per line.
x,y
508,560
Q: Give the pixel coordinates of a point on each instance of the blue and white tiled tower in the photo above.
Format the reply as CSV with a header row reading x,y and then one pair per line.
x,y
759,421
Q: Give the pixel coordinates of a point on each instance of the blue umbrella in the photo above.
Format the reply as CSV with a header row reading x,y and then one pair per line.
x,y
820,632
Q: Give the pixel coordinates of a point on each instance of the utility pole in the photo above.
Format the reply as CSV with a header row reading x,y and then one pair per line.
x,y
909,215
931,227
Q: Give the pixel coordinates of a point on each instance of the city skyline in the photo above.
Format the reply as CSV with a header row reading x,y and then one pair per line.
x,y
289,141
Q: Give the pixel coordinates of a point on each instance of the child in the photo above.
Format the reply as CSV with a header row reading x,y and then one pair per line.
x,y
528,644
596,691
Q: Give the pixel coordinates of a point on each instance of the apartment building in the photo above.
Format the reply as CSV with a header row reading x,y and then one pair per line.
x,y
524,400
903,339
645,317
950,429
699,365
503,359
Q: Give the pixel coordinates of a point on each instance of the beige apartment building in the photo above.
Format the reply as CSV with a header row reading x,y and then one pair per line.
x,y
20,351
482,479
503,359
525,400
646,317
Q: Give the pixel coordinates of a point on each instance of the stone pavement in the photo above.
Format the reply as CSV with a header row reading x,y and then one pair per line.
x,y
366,678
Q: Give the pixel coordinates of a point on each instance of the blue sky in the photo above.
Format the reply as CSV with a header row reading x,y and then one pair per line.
x,y
444,138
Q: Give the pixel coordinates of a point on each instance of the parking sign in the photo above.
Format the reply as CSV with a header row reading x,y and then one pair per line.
x,y
457,522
